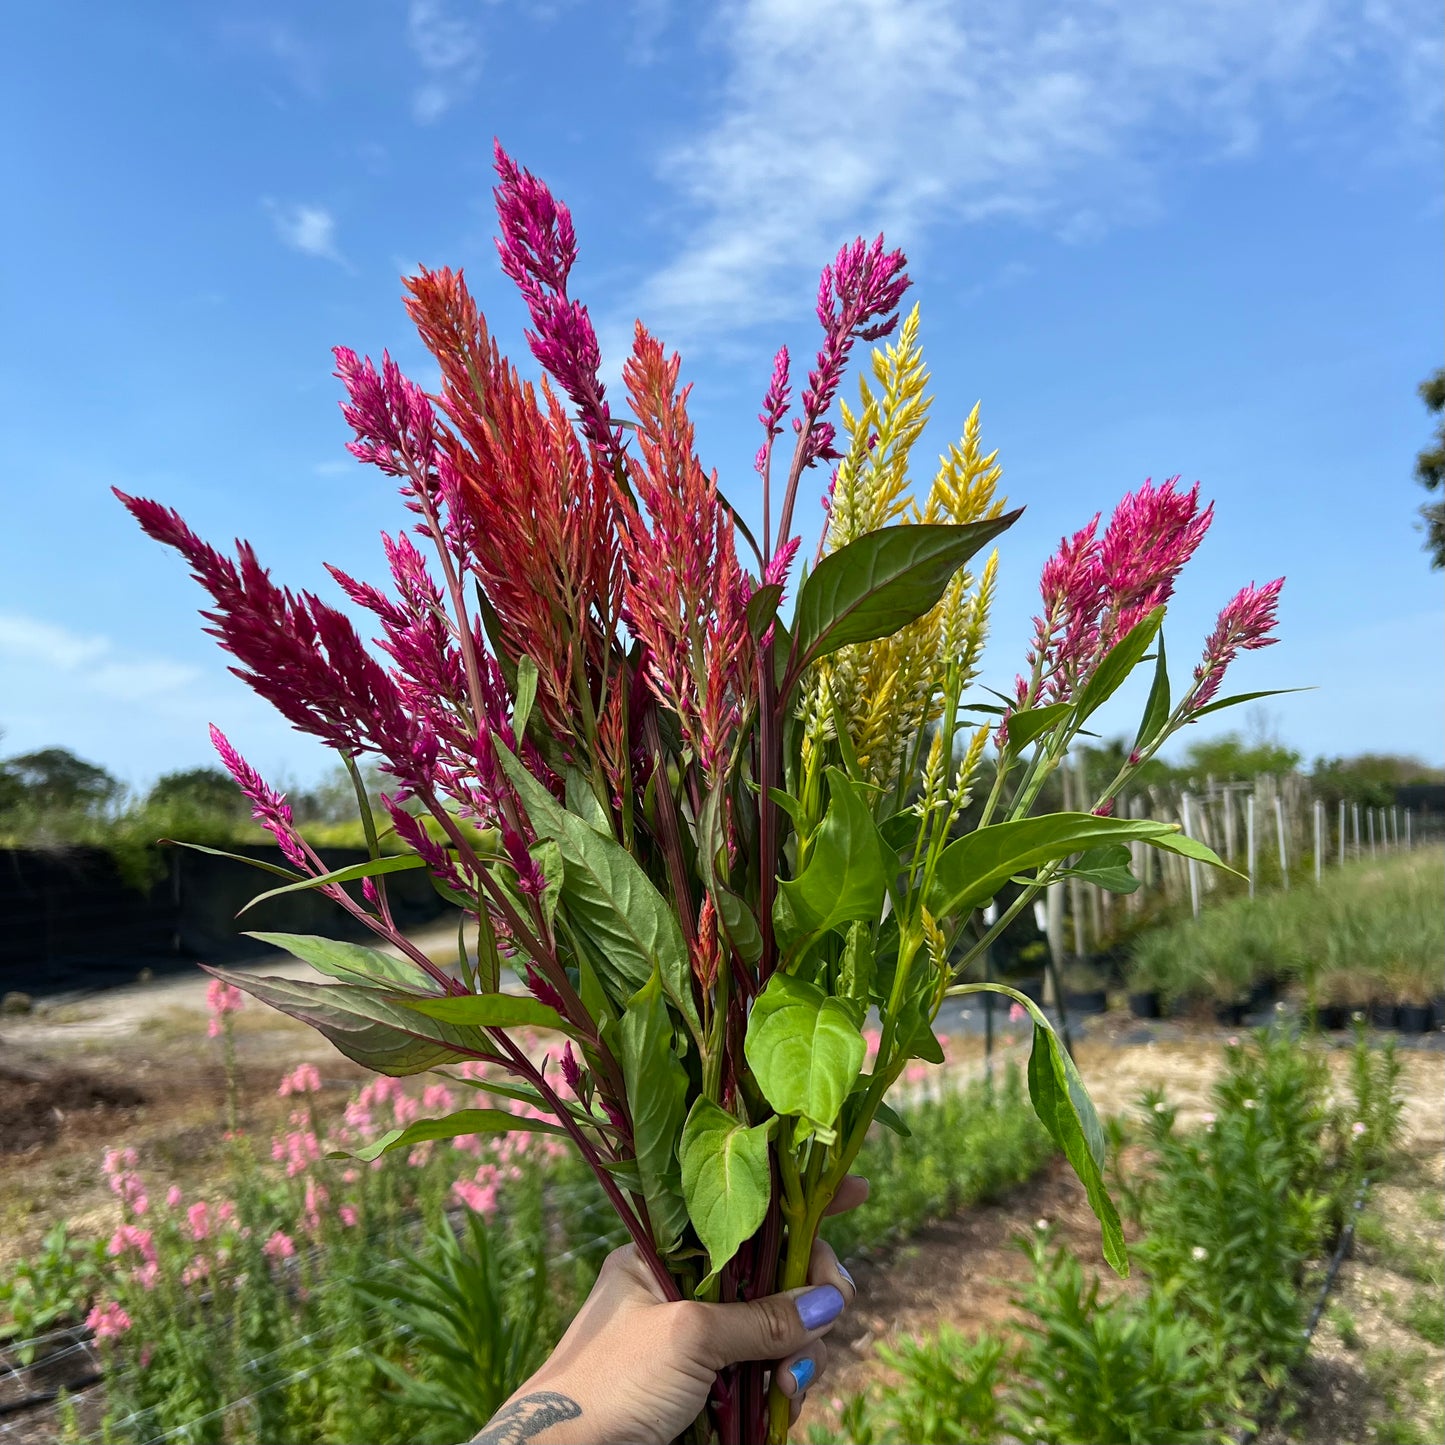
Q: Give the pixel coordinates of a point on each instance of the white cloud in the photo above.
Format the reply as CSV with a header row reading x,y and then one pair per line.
x,y
835,116
308,229
92,663
449,51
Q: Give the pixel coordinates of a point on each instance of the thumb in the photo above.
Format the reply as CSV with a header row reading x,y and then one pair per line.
x,y
769,1328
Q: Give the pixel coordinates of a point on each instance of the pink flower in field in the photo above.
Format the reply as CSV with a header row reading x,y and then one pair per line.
x,y
225,1214
223,998
420,1154
1357,1128
107,1320
316,1197
146,1276
115,1161
132,1237
299,1150
279,1246
437,1098
873,1039
915,1073
358,1117
404,1109
347,1215
304,1079
478,1198
146,1354
1017,1013
173,1197
197,1270
349,1176
198,1216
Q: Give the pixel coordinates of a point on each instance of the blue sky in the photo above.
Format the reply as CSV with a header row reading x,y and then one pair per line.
x,y
1195,236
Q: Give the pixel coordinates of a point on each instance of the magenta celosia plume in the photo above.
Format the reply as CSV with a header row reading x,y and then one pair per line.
x,y
1245,623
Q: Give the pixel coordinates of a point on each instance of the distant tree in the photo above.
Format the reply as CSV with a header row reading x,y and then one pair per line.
x,y
1430,469
205,790
1233,756
54,779
1370,779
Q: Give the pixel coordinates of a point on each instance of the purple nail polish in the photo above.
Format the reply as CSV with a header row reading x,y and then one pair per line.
x,y
820,1306
843,1270
802,1372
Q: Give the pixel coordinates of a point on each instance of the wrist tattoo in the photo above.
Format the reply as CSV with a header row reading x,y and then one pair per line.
x,y
526,1418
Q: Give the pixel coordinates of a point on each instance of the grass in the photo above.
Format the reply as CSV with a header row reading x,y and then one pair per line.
x,y
1373,930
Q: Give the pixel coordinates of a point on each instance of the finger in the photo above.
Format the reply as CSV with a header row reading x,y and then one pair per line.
x,y
849,1195
799,1373
773,1328
824,1267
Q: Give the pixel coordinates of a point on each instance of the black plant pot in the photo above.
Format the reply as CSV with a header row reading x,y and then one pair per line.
x,y
1090,1001
1382,1015
1414,1018
1231,1013
1263,992
1145,1005
1334,1016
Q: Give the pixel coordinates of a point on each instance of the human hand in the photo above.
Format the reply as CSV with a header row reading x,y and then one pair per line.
x,y
635,1368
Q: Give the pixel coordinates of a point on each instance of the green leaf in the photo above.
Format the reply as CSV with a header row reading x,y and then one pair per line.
x,y
1117,664
260,863
900,832
611,900
880,582
1156,710
548,858
1024,727
1240,697
657,1093
527,1095
915,1032
973,868
366,1024
585,803
1105,867
452,1126
526,695
805,1050
737,918
349,962
763,607
725,1179
855,972
1063,1105
399,863
489,1011
1188,847
849,866
891,1119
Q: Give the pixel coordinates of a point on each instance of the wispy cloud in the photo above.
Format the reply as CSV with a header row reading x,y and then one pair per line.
x,y
91,661
305,228
281,44
836,116
449,50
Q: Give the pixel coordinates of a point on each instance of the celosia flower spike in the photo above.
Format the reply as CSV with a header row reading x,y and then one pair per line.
x,y
1245,623
538,247
268,807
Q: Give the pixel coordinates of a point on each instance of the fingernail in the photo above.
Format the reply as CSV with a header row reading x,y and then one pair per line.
x,y
802,1372
843,1270
820,1306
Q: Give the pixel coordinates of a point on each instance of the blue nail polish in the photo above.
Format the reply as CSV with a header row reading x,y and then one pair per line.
x,y
802,1372
820,1306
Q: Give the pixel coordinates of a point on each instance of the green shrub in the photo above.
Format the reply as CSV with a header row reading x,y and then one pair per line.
x,y
1133,1371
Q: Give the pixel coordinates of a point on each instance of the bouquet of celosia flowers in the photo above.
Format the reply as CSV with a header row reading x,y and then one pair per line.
x,y
709,842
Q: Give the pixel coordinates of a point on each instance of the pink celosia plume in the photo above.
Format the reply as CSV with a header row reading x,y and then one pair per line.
x,y
1244,624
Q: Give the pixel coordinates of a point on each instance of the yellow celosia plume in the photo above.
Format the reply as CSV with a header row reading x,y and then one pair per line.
x,y
890,691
